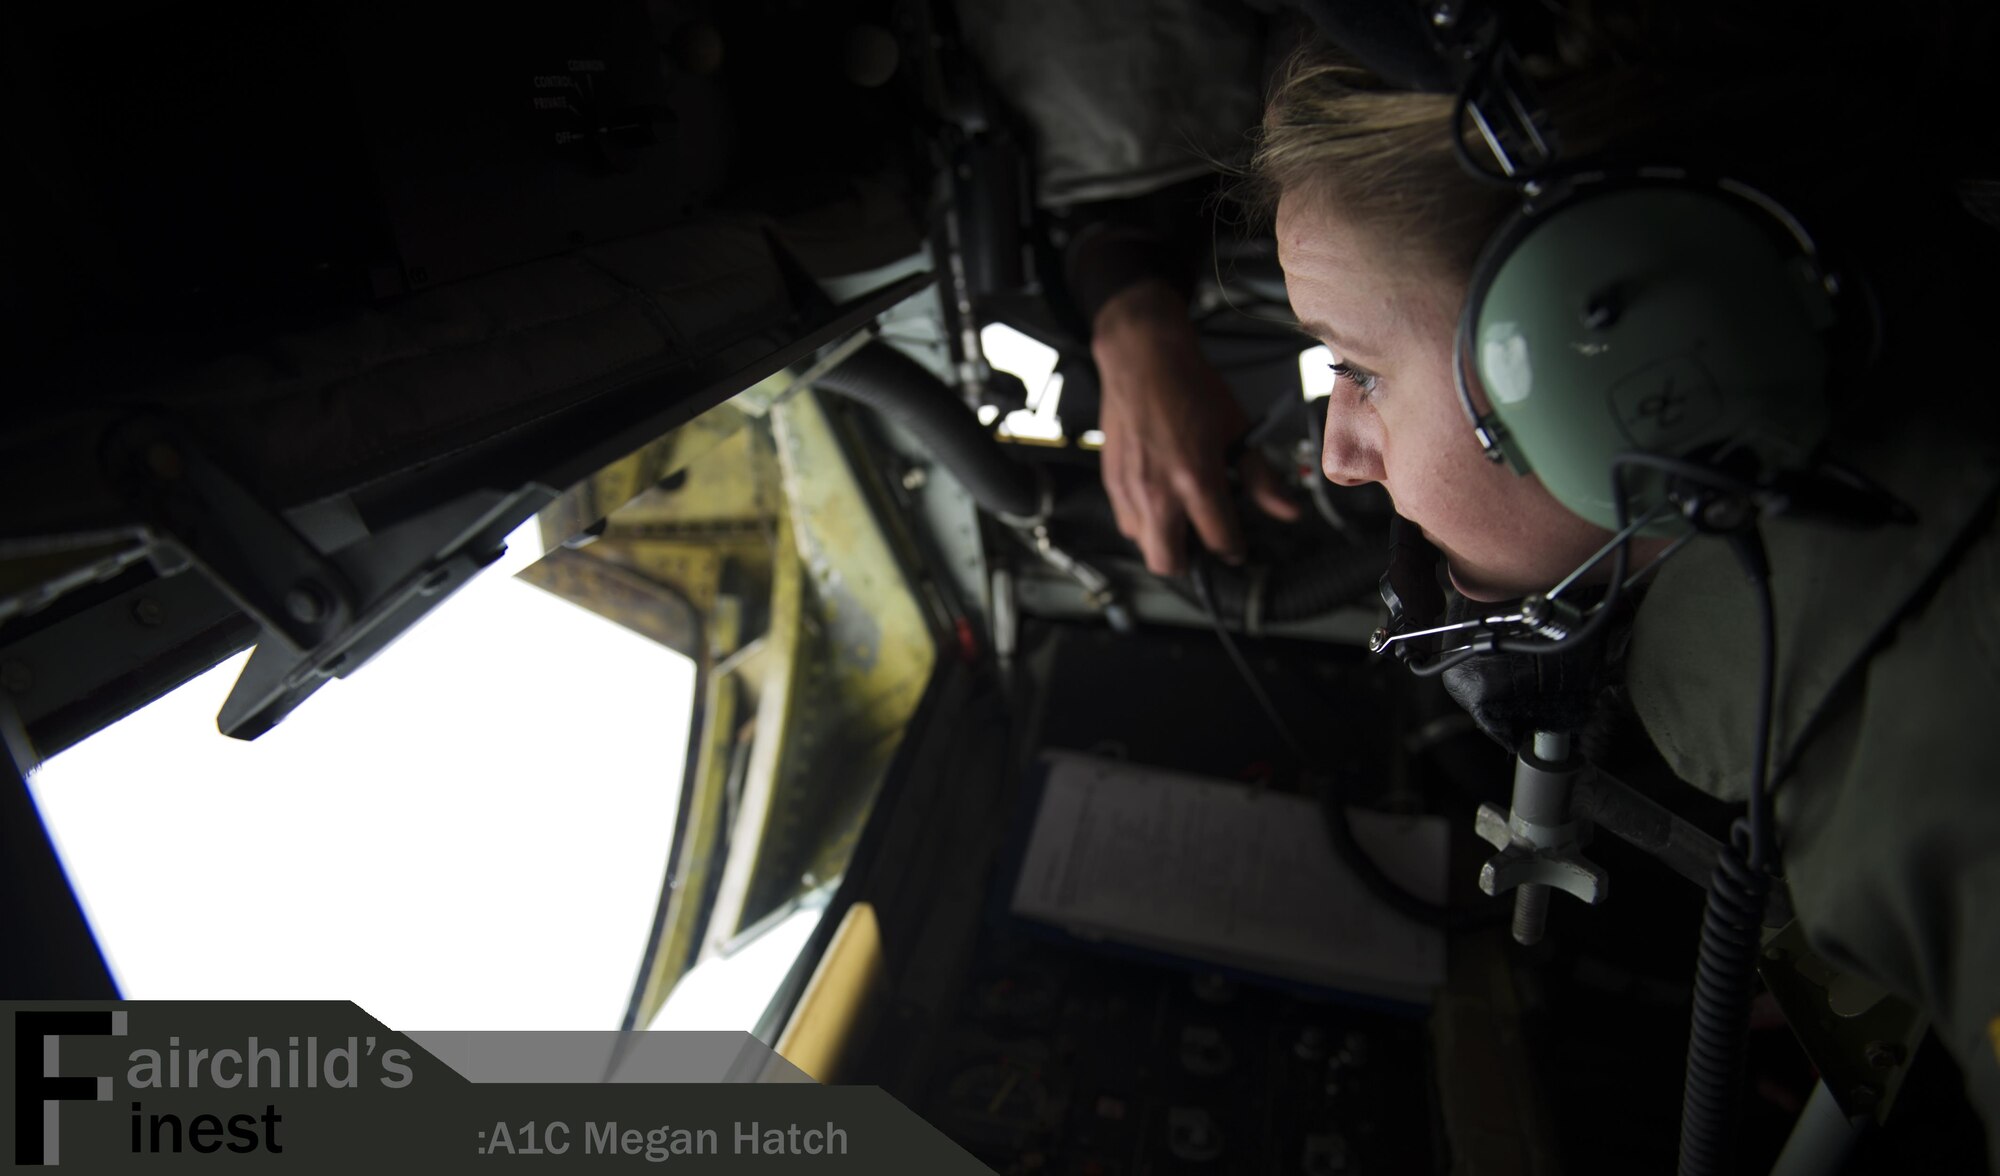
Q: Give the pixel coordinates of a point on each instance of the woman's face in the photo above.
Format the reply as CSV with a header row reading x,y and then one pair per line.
x,y
1395,418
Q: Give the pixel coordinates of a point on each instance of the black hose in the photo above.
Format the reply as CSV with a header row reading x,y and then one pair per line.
x,y
1294,591
892,383
1319,584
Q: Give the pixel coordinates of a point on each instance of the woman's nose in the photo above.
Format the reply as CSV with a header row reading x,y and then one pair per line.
x,y
1346,456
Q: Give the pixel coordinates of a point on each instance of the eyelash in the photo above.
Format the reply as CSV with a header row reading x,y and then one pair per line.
x,y
1364,382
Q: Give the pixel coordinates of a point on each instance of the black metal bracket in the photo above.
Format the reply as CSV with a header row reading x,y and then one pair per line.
x,y
1619,809
1859,1036
324,586
321,614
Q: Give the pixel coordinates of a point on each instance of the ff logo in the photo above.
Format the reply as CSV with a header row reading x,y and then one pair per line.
x,y
1665,402
40,1089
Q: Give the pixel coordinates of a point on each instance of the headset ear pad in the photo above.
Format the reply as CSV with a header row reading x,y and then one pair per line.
x,y
1674,319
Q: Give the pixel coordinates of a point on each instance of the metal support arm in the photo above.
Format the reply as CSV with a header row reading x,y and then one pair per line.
x,y
1539,839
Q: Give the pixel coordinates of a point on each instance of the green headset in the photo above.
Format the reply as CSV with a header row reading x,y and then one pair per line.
x,y
1635,325
1649,313
1656,346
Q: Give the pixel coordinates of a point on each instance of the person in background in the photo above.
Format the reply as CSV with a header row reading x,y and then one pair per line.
x,y
1132,103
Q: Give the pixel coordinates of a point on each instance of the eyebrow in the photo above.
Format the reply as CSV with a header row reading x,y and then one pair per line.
x,y
1322,332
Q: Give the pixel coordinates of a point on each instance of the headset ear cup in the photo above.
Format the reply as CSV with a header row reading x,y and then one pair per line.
x,y
1652,315
1487,428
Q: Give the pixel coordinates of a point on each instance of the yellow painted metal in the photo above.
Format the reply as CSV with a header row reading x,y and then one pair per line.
x,y
636,474
845,989
816,651
711,541
1039,442
866,660
720,523
723,518
776,669
693,568
648,606
734,481
700,829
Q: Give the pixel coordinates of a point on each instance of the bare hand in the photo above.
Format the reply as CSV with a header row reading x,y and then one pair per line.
x,y
1168,421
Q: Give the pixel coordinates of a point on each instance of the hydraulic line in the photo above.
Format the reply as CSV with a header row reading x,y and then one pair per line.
x,y
892,383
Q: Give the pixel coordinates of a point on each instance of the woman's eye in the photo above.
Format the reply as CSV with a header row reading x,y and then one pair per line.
x,y
1364,382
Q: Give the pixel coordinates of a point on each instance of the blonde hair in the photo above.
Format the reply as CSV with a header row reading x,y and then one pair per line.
x,y
1730,87
1382,157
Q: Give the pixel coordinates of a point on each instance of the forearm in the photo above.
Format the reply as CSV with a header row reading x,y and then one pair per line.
x,y
1116,245
1146,315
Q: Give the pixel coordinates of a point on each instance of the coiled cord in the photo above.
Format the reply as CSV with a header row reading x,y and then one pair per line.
x,y
1732,924
1724,981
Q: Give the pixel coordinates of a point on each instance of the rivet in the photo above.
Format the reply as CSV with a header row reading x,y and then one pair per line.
x,y
306,603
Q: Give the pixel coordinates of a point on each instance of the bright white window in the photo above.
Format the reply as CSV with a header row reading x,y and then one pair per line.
x,y
732,991
469,833
1035,362
1315,374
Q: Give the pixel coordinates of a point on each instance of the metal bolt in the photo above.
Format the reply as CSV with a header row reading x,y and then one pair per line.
x,y
915,477
306,603
148,611
588,535
1601,311
17,677
1863,1097
1531,913
1724,513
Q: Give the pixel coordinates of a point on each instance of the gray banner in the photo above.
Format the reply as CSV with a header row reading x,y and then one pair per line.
x,y
609,1057
323,1087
